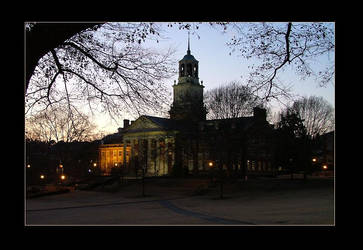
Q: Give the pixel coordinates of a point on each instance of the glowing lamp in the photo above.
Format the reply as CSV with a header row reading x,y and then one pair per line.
x,y
60,166
42,176
314,159
325,167
95,164
63,177
210,164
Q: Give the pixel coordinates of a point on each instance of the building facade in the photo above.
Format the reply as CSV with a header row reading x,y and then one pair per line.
x,y
187,142
113,156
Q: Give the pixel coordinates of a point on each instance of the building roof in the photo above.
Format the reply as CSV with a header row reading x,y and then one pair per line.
x,y
112,138
189,57
239,122
146,123
165,123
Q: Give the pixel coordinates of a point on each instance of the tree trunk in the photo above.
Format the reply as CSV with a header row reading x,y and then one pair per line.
x,y
46,36
221,179
143,182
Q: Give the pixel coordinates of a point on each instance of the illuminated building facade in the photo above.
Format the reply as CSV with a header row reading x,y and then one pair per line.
x,y
113,156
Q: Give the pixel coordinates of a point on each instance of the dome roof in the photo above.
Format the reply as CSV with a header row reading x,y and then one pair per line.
x,y
189,57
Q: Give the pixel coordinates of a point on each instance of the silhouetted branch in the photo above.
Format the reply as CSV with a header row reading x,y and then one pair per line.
x,y
109,69
277,44
91,57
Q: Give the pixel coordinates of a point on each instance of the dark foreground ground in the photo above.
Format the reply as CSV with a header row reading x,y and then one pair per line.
x,y
268,201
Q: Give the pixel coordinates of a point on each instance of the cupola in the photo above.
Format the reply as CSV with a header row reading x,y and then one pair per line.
x,y
188,92
188,68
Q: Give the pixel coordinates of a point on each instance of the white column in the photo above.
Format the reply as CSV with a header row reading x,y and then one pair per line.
x,y
150,166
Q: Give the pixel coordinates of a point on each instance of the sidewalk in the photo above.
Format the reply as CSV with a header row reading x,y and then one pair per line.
x,y
260,203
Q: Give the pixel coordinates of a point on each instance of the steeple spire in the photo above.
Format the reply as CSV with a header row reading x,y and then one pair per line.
x,y
188,51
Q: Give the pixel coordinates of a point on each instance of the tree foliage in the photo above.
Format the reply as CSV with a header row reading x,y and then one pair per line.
x,y
293,146
291,124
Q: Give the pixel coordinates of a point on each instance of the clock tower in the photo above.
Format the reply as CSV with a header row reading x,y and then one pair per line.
x,y
188,92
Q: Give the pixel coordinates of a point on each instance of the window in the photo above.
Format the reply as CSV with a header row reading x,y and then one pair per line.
x,y
195,70
189,70
182,70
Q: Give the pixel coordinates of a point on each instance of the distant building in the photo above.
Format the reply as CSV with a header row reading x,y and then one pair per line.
x,y
187,142
112,153
323,154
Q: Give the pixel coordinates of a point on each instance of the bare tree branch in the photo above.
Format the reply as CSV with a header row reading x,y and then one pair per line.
x,y
103,68
275,45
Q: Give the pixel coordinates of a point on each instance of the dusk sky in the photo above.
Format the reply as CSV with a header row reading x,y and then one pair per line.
x,y
217,67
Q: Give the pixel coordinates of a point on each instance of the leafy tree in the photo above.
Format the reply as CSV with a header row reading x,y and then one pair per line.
x,y
293,145
291,124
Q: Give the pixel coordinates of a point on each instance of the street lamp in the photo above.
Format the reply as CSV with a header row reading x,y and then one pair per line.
x,y
210,164
60,167
325,167
314,160
42,176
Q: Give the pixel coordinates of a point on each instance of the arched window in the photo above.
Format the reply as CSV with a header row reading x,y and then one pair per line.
x,y
195,70
189,69
182,70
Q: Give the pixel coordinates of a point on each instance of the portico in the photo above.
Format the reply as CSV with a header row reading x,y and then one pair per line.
x,y
151,141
